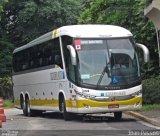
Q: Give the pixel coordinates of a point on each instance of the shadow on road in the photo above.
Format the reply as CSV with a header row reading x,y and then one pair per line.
x,y
95,118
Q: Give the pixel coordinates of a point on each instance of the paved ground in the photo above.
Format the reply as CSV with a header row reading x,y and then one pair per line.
x,y
53,124
152,117
154,114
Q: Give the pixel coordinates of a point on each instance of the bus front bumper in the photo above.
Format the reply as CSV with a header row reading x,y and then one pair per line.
x,y
89,106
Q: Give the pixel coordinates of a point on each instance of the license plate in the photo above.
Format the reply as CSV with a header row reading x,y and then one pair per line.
x,y
113,106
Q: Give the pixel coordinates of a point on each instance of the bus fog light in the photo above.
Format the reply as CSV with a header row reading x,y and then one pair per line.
x,y
137,104
86,106
74,103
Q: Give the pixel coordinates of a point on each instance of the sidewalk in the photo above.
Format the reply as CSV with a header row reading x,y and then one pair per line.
x,y
152,117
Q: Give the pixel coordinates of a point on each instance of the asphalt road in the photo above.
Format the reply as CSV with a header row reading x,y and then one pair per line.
x,y
51,123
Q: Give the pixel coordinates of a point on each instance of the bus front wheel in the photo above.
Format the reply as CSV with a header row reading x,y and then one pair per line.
x,y
63,110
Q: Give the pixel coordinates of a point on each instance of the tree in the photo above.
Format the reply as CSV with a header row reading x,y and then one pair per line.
x,y
32,18
2,2
6,49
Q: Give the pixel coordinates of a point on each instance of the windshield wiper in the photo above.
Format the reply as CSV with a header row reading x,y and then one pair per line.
x,y
105,70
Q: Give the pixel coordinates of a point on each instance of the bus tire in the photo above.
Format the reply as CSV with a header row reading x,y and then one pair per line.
x,y
22,102
24,109
28,110
118,115
66,115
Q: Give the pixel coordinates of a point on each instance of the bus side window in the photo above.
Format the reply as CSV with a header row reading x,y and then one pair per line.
x,y
38,56
32,58
51,59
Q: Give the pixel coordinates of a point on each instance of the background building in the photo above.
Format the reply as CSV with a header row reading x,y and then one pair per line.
x,y
152,11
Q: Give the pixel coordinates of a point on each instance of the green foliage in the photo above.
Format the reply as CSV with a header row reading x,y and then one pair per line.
x,y
6,49
150,107
26,20
6,87
151,90
86,4
8,104
36,17
2,2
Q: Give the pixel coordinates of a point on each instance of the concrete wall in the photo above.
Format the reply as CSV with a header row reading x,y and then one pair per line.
x,y
153,12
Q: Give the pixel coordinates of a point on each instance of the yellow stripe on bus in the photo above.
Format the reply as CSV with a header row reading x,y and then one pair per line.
x,y
49,102
54,33
82,103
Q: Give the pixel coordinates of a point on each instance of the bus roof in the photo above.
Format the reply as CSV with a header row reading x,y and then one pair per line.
x,y
94,31
80,31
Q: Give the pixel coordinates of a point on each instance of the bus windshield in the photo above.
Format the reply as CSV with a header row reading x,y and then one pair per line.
x,y
105,63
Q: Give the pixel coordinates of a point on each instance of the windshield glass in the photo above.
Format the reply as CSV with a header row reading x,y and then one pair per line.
x,y
107,63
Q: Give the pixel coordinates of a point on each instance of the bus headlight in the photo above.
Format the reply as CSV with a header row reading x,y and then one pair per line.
x,y
137,93
84,95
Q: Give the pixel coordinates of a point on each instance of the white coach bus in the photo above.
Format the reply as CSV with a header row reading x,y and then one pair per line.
x,y
79,69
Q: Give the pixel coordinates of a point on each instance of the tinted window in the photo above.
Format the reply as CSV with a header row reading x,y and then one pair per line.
x,y
36,56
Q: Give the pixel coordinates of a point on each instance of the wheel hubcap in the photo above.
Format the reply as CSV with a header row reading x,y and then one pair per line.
x,y
62,107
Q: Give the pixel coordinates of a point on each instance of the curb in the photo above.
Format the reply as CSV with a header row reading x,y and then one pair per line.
x,y
143,118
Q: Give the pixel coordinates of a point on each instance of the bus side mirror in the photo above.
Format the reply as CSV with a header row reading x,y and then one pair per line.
x,y
73,54
145,51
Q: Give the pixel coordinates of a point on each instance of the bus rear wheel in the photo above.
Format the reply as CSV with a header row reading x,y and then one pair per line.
x,y
118,115
66,115
24,108
30,112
